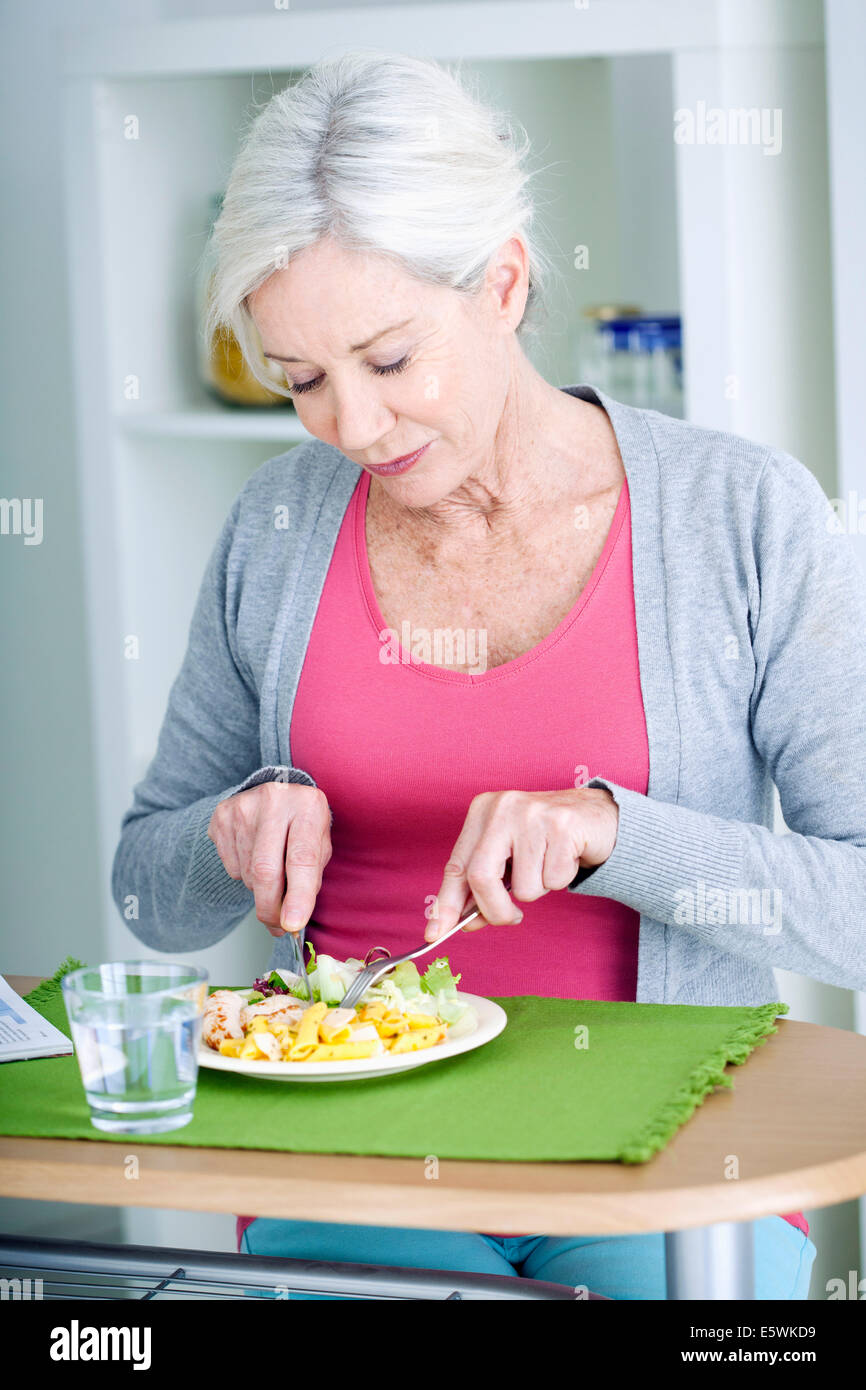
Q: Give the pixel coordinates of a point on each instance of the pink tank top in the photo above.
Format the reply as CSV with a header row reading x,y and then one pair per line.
x,y
406,745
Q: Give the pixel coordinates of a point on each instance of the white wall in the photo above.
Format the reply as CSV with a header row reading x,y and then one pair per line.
x,y
48,863
48,857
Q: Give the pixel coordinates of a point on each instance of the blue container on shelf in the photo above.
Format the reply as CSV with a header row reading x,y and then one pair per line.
x,y
638,360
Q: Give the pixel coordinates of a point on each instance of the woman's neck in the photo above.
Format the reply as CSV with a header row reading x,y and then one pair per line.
x,y
545,455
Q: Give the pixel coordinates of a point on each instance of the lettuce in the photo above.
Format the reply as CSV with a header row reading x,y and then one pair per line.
x,y
328,982
402,989
406,978
465,1024
287,981
437,977
299,991
448,1006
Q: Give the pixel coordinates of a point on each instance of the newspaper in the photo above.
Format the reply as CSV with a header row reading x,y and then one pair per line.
x,y
25,1033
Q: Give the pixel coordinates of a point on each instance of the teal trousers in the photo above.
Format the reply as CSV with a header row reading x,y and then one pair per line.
x,y
622,1267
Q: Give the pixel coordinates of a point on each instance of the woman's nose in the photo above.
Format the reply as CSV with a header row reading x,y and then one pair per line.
x,y
361,419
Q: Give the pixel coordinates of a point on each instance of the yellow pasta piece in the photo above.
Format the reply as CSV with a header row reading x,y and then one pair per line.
x,y
334,1035
370,1012
391,1025
341,1052
422,1020
415,1039
231,1047
307,1036
331,1032
258,1025
249,1049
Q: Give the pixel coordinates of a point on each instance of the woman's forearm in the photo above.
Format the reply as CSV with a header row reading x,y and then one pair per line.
x,y
796,902
168,881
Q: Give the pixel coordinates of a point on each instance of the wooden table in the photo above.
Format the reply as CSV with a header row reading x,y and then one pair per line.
x,y
795,1123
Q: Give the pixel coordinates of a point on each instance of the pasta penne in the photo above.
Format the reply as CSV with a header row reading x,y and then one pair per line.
x,y
391,1025
341,1052
334,1035
308,1032
368,1013
414,1040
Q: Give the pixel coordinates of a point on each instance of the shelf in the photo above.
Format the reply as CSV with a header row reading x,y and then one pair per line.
x,y
259,43
215,422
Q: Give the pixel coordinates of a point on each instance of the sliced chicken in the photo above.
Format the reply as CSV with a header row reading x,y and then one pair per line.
x,y
222,1018
267,1043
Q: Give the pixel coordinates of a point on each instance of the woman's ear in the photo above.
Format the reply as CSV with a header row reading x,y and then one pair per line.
x,y
508,282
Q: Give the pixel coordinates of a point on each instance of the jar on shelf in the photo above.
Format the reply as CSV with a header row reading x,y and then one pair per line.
x,y
586,350
638,360
221,364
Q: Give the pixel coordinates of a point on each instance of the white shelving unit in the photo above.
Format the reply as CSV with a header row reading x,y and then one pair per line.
x,y
212,421
694,229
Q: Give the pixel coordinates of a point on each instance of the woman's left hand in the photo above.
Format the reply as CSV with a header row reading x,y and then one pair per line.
x,y
547,836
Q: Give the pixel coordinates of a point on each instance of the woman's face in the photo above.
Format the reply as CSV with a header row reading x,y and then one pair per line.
x,y
386,364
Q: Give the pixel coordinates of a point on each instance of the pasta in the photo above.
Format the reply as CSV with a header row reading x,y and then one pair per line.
x,y
315,1038
276,1021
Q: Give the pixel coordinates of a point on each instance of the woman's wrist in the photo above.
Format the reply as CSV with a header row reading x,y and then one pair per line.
x,y
603,826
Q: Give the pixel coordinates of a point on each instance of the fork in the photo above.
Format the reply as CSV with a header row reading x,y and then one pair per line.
x,y
372,974
302,964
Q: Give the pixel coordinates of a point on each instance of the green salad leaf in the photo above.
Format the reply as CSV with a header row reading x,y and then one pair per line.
x,y
328,985
406,978
438,978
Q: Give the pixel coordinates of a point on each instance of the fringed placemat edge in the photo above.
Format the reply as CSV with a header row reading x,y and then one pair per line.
x,y
702,1081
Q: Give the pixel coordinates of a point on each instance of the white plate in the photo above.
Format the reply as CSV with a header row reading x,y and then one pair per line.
x,y
491,1021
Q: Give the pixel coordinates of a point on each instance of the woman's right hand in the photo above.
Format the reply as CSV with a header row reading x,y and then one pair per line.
x,y
277,838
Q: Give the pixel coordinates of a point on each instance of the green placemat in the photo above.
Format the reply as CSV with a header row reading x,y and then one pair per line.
x,y
531,1094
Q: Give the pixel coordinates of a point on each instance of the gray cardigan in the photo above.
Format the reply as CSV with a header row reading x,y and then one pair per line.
x,y
751,625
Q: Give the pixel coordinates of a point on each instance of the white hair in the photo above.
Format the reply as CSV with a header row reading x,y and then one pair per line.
x,y
385,153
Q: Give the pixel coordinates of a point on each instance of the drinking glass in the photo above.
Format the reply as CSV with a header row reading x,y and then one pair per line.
x,y
136,1026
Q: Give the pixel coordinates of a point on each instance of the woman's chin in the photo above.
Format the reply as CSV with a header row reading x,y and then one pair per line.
x,y
417,490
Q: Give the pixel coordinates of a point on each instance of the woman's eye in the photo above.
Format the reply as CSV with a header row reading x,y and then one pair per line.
x,y
393,367
298,388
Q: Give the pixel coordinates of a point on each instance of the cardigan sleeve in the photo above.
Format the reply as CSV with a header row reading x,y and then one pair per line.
x,y
168,881
796,901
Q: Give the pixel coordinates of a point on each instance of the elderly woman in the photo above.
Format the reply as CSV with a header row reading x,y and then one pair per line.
x,y
484,638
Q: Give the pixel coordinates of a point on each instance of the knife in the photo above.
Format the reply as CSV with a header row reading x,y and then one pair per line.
x,y
301,963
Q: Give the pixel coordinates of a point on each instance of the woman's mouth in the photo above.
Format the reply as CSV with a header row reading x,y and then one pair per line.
x,y
399,465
